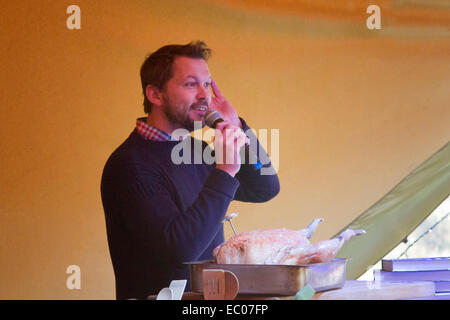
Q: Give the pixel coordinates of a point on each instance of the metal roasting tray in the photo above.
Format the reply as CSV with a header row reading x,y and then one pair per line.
x,y
275,279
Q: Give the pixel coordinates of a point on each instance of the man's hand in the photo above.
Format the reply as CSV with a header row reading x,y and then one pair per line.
x,y
228,141
219,103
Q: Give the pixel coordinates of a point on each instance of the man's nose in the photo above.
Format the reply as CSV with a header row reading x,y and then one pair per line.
x,y
204,93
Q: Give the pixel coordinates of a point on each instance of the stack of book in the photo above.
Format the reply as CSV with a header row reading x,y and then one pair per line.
x,y
423,269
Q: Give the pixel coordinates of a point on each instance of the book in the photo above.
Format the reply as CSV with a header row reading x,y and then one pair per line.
x,y
437,296
441,278
421,264
442,286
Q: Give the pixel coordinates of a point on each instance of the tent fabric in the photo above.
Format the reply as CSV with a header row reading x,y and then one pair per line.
x,y
390,220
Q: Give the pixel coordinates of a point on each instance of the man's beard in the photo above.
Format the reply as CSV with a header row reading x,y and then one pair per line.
x,y
178,116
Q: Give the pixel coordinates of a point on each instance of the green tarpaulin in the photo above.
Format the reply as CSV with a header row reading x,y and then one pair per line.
x,y
398,213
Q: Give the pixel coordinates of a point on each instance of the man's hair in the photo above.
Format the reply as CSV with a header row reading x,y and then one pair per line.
x,y
157,68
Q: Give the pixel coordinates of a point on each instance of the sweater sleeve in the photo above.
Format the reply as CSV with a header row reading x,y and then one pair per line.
x,y
256,185
156,221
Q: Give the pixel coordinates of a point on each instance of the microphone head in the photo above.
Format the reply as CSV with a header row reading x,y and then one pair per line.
x,y
212,117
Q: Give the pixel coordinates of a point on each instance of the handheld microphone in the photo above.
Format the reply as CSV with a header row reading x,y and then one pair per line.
x,y
212,118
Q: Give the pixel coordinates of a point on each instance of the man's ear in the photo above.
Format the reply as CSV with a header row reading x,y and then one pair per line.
x,y
154,95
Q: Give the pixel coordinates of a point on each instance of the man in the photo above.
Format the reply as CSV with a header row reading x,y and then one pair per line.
x,y
160,214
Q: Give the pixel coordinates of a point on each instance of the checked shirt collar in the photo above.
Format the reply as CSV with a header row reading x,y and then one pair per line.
x,y
150,132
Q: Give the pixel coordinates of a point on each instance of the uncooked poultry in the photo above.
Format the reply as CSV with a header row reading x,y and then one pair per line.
x,y
281,246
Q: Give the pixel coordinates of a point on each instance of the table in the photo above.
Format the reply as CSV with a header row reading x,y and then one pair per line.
x,y
356,290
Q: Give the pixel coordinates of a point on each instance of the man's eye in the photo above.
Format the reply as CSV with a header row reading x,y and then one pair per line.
x,y
207,84
191,84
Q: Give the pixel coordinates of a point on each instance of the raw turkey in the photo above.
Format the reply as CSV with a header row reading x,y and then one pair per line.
x,y
281,246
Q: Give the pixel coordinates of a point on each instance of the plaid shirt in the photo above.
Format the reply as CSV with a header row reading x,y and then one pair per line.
x,y
150,132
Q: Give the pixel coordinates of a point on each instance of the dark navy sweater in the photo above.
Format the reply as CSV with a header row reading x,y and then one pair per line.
x,y
159,214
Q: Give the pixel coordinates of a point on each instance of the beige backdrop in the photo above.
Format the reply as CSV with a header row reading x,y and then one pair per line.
x,y
356,110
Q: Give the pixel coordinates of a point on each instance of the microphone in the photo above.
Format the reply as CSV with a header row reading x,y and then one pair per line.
x,y
212,118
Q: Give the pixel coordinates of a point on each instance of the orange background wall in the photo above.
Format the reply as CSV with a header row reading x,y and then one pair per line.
x,y
356,110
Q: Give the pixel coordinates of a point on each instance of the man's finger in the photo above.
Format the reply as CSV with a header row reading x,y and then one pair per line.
x,y
223,125
240,142
233,132
215,89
